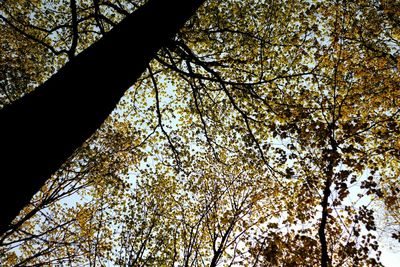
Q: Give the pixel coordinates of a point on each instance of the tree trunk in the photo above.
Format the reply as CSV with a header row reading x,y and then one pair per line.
x,y
40,131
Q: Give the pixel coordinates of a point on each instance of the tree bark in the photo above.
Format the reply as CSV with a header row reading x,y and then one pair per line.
x,y
332,161
321,230
41,130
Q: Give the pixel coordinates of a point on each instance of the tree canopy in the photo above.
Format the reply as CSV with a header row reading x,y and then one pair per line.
x,y
44,128
265,133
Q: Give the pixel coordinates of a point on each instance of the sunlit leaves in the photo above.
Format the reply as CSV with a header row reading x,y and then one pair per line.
x,y
224,151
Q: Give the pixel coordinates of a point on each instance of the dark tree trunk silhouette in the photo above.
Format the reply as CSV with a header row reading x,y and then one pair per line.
x,y
40,131
329,173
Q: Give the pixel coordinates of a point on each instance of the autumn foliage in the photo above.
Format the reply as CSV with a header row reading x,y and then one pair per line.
x,y
267,133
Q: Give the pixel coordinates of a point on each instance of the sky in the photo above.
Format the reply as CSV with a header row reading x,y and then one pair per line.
x,y
390,258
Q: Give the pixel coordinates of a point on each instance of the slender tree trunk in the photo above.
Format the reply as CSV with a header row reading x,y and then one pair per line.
x,y
40,131
325,259
321,231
